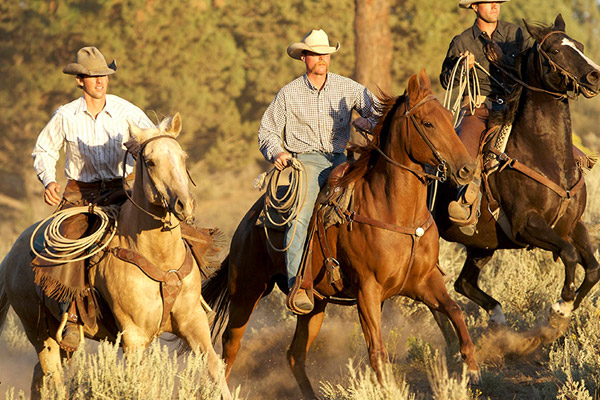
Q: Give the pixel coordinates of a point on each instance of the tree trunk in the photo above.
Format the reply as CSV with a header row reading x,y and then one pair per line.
x,y
373,44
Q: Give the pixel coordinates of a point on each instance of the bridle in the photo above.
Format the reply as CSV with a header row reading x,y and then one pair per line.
x,y
137,150
441,169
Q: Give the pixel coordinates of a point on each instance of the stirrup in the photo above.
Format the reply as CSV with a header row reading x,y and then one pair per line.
x,y
61,329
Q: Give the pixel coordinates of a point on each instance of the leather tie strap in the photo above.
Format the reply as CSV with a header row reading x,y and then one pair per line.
x,y
170,281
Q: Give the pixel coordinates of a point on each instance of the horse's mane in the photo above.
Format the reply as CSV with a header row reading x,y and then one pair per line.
x,y
386,107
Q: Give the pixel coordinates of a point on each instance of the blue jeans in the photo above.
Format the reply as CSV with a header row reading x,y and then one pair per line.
x,y
318,166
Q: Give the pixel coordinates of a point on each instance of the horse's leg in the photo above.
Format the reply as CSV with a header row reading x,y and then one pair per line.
x,y
48,352
307,329
581,241
436,297
241,306
467,284
538,233
369,312
194,327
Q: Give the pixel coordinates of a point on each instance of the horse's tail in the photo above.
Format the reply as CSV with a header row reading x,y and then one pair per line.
x,y
216,294
3,296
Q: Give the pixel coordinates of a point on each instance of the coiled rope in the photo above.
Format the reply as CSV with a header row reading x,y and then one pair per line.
x,y
289,203
467,75
58,248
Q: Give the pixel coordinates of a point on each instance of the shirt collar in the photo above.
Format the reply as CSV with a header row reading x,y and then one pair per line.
x,y
312,87
499,33
82,106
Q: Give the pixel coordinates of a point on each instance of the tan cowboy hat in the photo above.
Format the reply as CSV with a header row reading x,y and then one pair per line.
x,y
469,3
315,41
91,62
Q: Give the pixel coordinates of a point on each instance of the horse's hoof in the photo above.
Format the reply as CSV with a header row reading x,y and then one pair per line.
x,y
474,376
561,309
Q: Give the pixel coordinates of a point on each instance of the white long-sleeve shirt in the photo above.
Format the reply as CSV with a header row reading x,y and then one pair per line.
x,y
94,148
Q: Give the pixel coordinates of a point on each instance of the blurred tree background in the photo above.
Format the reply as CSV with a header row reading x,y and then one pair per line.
x,y
220,62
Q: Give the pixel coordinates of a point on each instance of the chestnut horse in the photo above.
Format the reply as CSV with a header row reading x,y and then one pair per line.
x,y
161,193
538,185
395,253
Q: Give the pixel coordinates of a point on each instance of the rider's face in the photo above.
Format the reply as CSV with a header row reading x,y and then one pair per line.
x,y
94,86
488,12
317,64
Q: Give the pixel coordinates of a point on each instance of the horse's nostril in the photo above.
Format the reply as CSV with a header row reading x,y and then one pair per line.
x,y
465,172
593,77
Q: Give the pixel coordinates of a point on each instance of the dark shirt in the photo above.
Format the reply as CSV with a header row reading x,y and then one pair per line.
x,y
508,36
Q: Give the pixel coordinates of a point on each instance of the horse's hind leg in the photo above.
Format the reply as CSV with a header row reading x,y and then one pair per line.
x,y
467,284
307,329
588,261
436,297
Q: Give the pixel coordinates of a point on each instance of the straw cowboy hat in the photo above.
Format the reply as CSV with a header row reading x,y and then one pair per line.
x,y
315,41
91,62
469,3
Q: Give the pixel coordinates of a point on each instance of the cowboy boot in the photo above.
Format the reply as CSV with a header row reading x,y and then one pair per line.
x,y
69,332
463,211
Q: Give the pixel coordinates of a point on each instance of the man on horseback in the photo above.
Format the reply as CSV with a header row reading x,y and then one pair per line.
x,y
92,129
309,119
489,39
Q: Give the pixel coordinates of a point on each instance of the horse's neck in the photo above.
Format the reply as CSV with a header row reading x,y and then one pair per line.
x,y
542,133
393,194
146,235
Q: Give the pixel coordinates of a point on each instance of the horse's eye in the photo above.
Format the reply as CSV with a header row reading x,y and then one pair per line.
x,y
150,163
427,124
555,51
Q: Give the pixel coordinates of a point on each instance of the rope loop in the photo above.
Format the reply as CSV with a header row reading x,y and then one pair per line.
x,y
289,203
58,249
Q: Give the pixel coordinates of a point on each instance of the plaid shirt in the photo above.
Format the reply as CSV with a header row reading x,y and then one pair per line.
x,y
93,147
309,119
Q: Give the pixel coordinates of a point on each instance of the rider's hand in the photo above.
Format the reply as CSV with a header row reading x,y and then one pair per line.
x,y
282,160
470,58
51,194
362,124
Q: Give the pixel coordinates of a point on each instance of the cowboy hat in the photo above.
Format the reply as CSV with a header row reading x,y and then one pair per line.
x,y
469,3
91,62
315,41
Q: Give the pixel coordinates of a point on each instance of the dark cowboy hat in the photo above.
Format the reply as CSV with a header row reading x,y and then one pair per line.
x,y
91,62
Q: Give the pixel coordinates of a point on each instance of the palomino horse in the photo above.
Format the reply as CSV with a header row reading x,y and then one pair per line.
x,y
160,191
538,186
395,253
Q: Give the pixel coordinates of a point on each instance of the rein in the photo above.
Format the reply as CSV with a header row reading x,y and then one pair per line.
x,y
139,150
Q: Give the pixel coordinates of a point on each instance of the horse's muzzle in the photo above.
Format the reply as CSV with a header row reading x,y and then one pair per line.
x,y
184,209
465,174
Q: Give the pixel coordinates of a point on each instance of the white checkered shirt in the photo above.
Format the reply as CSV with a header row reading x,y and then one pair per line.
x,y
309,119
93,147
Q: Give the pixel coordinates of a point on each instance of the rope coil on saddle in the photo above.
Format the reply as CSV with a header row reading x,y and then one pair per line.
x,y
58,248
289,203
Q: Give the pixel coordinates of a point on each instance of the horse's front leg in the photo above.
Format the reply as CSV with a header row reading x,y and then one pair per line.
x,y
369,312
538,233
435,296
307,328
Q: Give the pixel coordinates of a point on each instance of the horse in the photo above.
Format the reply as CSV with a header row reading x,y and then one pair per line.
x,y
160,195
535,195
389,248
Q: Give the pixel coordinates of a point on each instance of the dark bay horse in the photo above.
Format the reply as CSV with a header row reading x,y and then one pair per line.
x,y
538,186
395,253
161,193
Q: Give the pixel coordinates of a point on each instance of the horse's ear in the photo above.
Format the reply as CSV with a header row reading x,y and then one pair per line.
x,y
174,127
424,81
559,23
134,130
413,88
534,31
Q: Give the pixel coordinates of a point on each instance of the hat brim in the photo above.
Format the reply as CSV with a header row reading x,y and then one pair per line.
x,y
78,69
468,4
295,50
